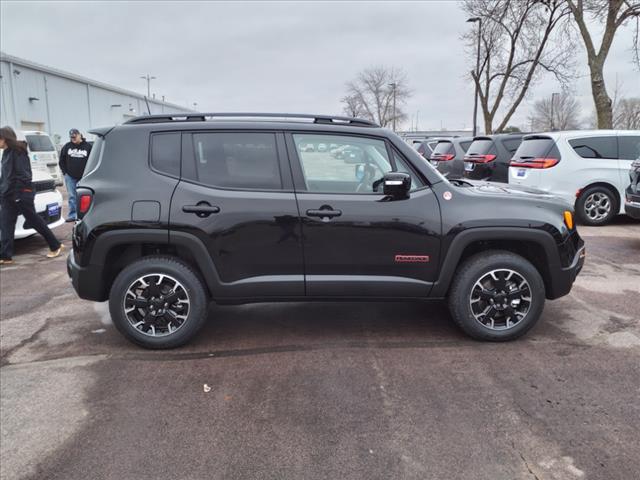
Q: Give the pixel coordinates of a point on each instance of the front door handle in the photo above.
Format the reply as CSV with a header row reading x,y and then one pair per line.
x,y
325,213
202,209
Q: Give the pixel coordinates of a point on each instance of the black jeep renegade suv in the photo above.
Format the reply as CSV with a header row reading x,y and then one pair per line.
x,y
178,211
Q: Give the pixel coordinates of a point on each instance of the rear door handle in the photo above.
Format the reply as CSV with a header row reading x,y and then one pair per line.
x,y
324,213
202,209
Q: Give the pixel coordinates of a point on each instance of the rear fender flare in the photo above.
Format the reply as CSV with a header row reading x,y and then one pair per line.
x,y
108,240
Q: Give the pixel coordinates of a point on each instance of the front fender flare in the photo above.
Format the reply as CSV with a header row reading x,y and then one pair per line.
x,y
451,259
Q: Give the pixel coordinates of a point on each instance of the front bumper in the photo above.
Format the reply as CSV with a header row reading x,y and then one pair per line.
x,y
632,203
562,279
87,281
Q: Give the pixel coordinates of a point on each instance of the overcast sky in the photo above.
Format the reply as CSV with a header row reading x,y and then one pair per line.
x,y
273,56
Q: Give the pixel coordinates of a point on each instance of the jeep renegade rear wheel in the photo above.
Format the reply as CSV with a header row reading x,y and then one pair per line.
x,y
496,296
158,302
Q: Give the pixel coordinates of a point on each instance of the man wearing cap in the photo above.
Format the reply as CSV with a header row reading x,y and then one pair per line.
x,y
73,159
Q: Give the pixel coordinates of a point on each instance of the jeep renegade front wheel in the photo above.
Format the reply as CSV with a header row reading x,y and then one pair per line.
x,y
158,302
496,296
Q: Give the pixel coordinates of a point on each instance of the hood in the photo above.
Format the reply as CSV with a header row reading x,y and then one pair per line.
x,y
39,174
505,188
495,189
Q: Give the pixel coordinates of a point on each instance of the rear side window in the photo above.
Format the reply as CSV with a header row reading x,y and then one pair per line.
x,y
482,147
39,143
165,153
465,146
537,147
237,160
629,147
595,147
444,148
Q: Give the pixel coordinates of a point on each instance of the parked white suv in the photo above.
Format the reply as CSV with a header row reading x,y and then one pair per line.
x,y
589,168
42,153
48,203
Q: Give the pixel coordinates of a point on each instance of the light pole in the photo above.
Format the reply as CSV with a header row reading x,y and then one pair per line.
x,y
148,78
553,98
475,97
393,89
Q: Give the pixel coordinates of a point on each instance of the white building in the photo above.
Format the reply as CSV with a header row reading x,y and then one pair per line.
x,y
35,97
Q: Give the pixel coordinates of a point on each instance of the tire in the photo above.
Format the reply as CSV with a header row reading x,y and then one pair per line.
x,y
467,300
596,206
188,300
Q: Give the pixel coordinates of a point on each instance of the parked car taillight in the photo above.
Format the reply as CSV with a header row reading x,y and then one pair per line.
x,y
535,163
442,157
85,199
479,158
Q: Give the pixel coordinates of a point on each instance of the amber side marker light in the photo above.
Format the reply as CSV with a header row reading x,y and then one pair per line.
x,y
568,219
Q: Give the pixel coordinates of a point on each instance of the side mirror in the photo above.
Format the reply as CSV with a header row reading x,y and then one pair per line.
x,y
397,185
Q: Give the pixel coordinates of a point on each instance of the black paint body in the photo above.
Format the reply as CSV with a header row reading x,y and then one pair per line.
x,y
262,245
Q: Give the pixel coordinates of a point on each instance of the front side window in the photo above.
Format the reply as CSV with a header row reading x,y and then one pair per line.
x,y
242,160
342,164
595,147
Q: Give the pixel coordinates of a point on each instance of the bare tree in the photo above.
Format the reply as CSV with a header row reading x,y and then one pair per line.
x,y
561,112
518,40
626,115
378,94
613,13
352,106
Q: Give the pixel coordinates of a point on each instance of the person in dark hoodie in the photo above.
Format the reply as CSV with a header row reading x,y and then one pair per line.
x,y
16,197
73,159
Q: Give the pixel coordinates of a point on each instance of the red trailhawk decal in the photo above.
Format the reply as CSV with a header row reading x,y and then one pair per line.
x,y
412,258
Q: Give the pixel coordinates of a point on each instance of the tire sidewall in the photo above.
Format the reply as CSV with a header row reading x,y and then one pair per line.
x,y
477,268
159,265
580,205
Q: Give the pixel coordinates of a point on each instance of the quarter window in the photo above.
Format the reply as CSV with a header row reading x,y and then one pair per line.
x,y
595,147
237,160
165,153
401,166
629,147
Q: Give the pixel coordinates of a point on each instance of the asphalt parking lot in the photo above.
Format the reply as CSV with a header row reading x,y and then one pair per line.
x,y
325,390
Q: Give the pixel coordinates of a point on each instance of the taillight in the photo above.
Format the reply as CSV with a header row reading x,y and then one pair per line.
x,y
480,158
535,163
442,157
85,199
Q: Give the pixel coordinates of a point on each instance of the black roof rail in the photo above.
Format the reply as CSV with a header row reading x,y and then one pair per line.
x,y
201,117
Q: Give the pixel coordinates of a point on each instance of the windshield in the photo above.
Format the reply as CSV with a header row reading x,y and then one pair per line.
x,y
481,147
444,148
40,143
537,147
95,156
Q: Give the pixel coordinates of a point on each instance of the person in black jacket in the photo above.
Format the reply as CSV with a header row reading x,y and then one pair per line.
x,y
73,159
16,197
